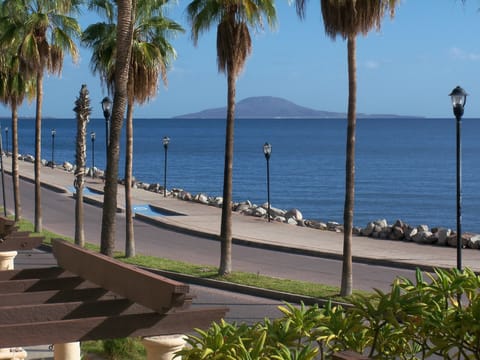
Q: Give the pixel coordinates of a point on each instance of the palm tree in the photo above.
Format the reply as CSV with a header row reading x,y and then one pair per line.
x,y
124,36
82,110
233,18
44,31
14,87
348,18
151,56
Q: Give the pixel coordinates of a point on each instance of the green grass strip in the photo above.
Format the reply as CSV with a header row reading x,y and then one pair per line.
x,y
304,288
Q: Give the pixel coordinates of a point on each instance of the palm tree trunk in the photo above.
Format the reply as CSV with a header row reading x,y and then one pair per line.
x,y
82,109
15,174
129,235
79,229
226,226
346,287
38,152
124,46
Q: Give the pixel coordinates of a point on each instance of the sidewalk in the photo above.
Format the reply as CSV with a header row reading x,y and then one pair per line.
x,y
205,220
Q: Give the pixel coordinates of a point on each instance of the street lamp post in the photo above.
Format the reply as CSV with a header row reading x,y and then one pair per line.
x,y
165,141
459,99
267,151
6,137
106,107
92,137
54,132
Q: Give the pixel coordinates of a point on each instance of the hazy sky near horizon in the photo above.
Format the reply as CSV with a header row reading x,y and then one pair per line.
x,y
407,68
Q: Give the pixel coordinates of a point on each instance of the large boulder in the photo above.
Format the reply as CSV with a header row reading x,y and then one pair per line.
x,y
474,242
259,212
185,195
67,166
154,187
29,158
295,214
316,224
368,230
291,221
381,223
246,203
452,239
397,233
333,226
216,201
201,198
442,236
377,229
423,228
424,237
274,212
242,208
410,233
400,224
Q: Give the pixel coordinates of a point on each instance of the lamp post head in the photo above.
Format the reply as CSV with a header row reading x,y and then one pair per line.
x,y
106,107
459,99
267,150
92,136
165,141
6,129
54,132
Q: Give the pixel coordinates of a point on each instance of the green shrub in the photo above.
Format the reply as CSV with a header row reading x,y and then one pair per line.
x,y
123,349
415,320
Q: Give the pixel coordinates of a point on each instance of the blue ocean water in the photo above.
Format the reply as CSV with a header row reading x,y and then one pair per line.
x,y
405,168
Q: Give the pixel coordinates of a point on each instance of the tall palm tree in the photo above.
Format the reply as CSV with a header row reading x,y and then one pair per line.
x,y
124,36
82,110
348,18
233,19
14,87
151,56
44,31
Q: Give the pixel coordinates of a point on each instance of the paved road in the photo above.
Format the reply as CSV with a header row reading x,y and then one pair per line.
x,y
58,210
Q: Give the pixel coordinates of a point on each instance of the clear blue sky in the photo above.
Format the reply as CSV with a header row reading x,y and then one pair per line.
x,y
407,68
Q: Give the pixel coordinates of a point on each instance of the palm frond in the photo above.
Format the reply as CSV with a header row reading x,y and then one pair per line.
x,y
351,17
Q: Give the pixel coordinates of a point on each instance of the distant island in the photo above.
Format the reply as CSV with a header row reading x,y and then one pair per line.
x,y
270,107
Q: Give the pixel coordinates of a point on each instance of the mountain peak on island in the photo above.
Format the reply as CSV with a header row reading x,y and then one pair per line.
x,y
271,107
260,107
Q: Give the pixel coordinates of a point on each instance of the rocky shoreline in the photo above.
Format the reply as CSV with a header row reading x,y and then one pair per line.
x,y
378,229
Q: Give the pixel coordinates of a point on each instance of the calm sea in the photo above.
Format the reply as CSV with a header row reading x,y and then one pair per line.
x,y
405,168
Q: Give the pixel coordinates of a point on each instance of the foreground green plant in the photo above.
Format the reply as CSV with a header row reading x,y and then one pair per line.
x,y
415,320
116,349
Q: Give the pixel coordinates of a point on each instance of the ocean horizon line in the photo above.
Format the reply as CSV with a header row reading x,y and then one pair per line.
x,y
179,117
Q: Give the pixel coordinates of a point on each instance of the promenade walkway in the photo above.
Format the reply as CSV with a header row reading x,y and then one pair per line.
x,y
202,219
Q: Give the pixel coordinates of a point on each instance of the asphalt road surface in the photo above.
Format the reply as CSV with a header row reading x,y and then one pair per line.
x,y
58,214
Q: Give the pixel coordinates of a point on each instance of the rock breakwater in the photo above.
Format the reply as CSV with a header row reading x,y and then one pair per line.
x,y
378,229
